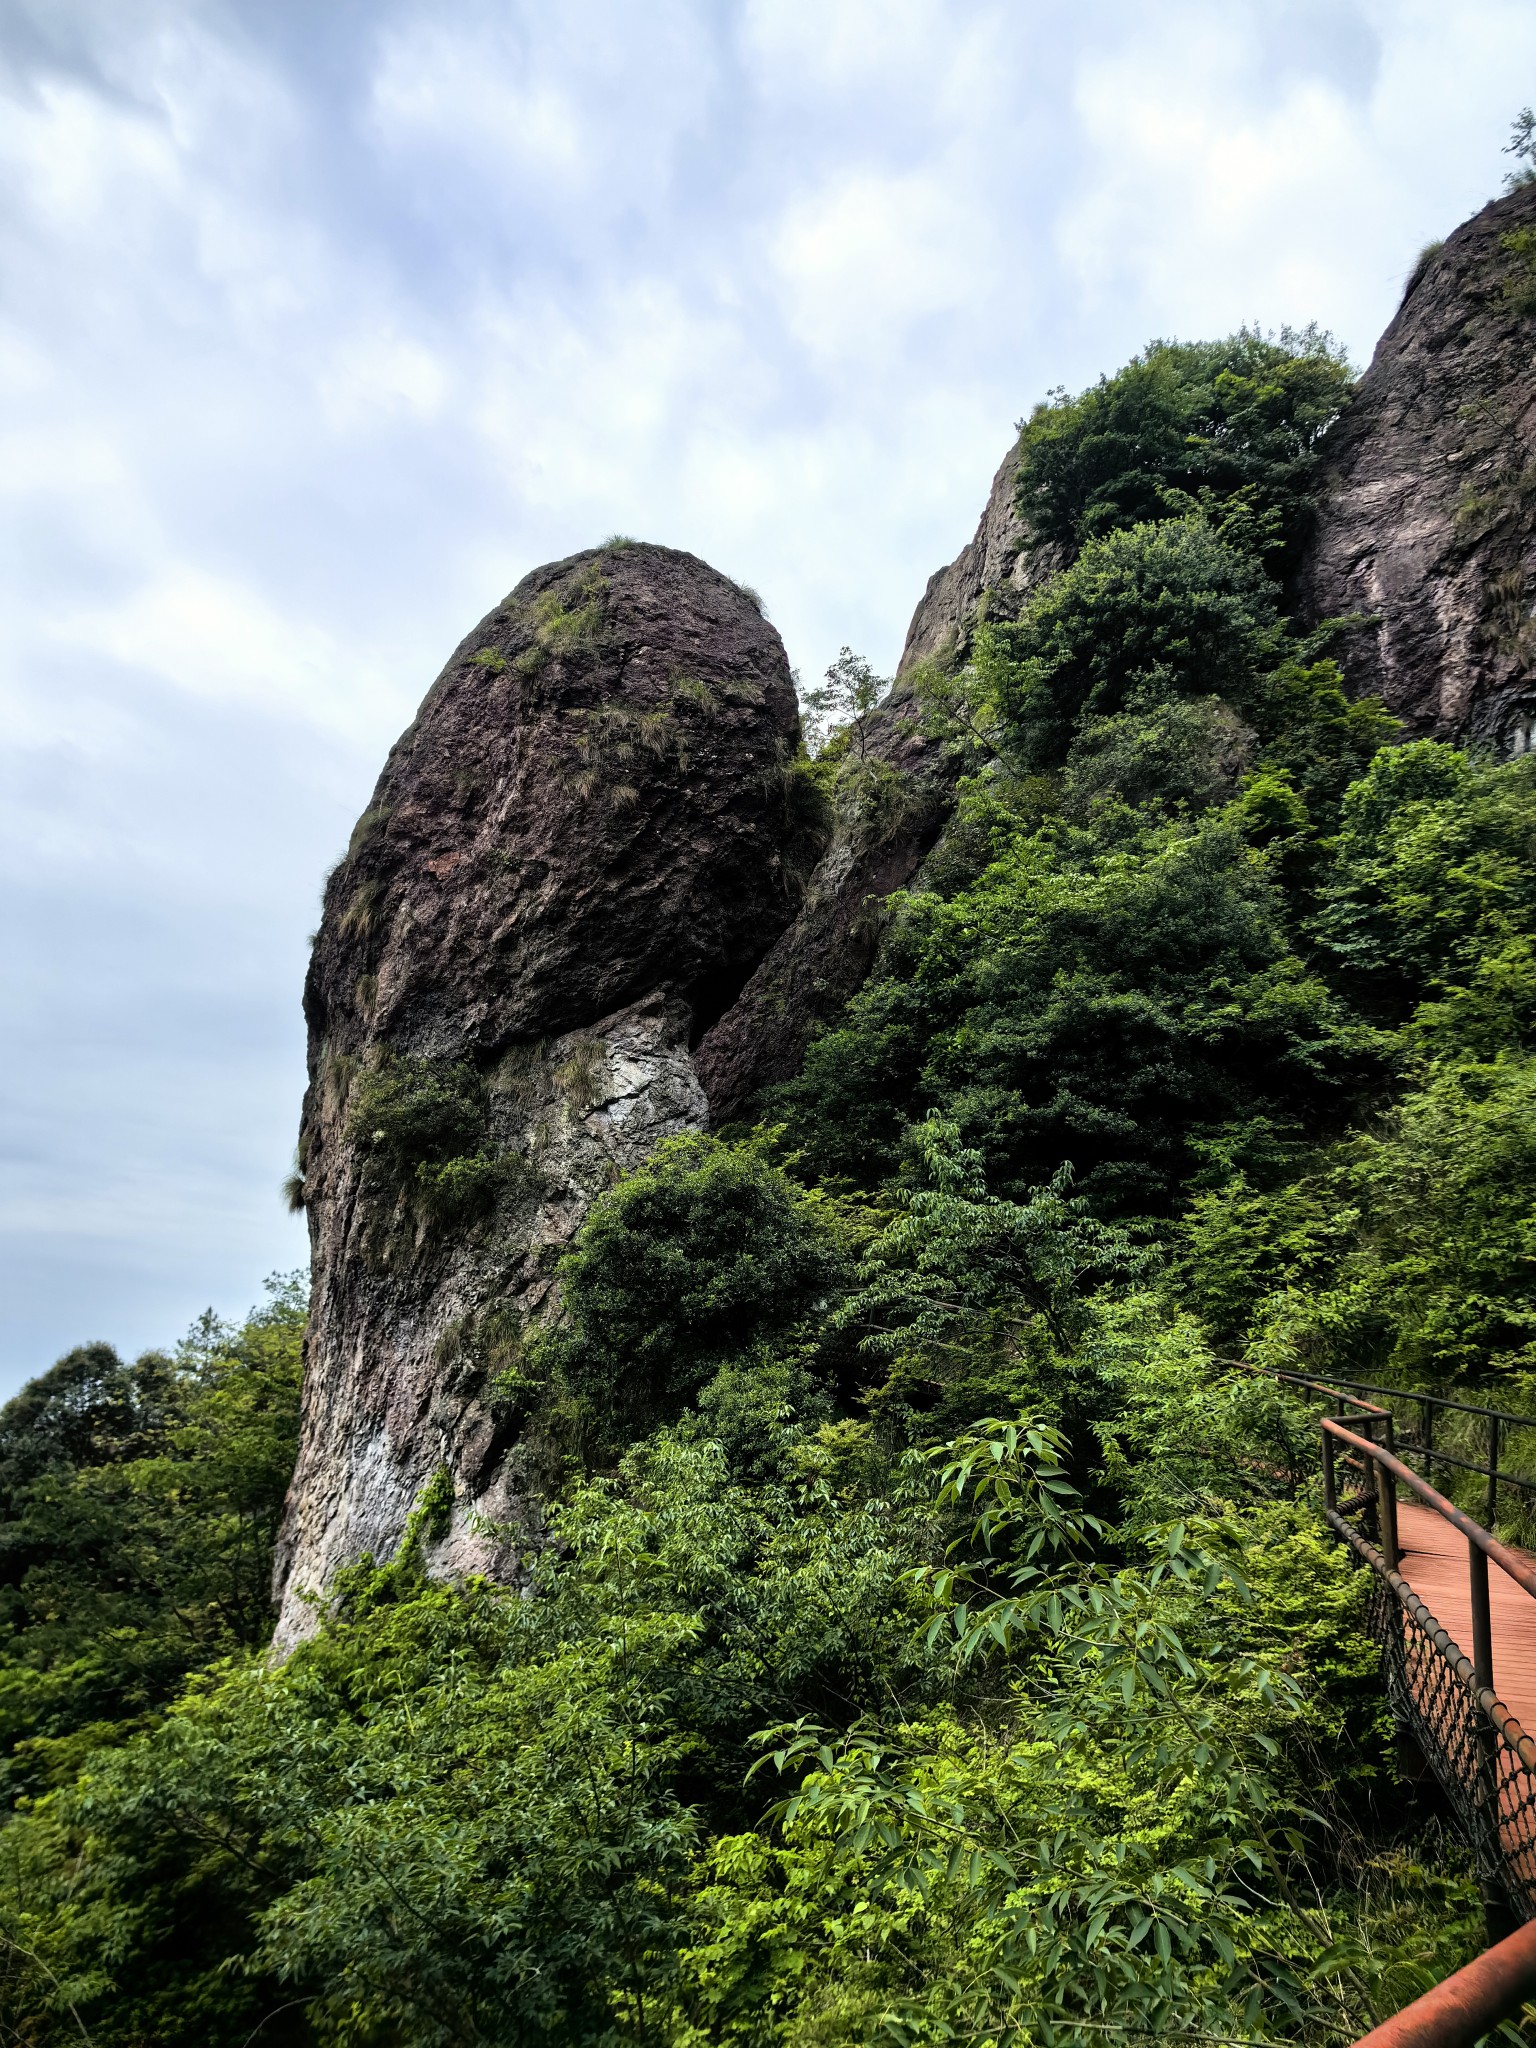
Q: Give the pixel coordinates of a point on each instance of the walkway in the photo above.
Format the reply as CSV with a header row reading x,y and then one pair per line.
x,y
1434,1562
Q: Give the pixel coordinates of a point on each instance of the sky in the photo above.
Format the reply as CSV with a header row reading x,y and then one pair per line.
x,y
323,321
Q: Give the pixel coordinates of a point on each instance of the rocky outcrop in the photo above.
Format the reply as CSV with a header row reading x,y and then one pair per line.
x,y
887,823
573,861
995,570
594,902
1428,493
893,800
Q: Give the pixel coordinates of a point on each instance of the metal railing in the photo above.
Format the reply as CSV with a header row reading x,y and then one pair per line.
x,y
1484,1760
1469,2005
1495,1425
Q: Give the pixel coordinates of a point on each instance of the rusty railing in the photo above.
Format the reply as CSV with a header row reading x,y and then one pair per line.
x,y
1483,1759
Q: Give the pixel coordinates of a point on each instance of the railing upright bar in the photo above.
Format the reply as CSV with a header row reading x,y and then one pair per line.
x,y
1386,1506
1492,1516
1330,1478
1482,1620
1496,1911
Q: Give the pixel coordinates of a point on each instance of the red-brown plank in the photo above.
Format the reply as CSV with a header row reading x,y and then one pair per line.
x,y
1434,1562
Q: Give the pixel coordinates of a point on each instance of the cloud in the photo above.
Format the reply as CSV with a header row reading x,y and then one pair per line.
x,y
212,638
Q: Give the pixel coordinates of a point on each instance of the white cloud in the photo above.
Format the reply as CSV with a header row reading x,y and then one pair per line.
x,y
381,372
212,638
862,259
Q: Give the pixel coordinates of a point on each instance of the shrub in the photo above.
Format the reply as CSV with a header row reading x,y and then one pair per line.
x,y
1433,885
1198,421
420,1126
698,1258
1143,616
1103,1008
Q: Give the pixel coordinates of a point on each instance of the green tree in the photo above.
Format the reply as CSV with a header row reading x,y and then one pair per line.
x,y
1144,615
704,1255
137,1525
1217,424
843,702
1108,1009
1522,147
1432,895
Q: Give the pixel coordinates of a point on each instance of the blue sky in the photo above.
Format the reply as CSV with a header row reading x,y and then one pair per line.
x,y
323,321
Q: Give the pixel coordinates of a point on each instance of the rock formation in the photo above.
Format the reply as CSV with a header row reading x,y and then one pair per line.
x,y
996,566
889,814
572,862
825,954
1428,499
594,902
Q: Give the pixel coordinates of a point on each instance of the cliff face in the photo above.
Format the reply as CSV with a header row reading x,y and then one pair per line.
x,y
885,828
573,860
1428,502
590,905
995,565
889,814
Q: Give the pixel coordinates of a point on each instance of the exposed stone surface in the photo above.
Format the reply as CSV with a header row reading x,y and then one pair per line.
x,y
573,860
1428,489
824,955
995,564
586,855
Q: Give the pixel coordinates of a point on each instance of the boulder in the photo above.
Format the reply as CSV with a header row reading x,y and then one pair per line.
x,y
572,863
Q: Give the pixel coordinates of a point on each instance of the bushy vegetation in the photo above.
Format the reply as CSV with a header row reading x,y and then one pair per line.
x,y
1216,426
419,1126
138,1510
933,1639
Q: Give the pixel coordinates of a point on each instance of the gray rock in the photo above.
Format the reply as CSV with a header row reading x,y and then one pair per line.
x,y
1428,494
573,861
996,565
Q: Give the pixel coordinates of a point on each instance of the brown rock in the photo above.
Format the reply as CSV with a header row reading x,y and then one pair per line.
x,y
826,953
997,565
886,823
573,860
1428,493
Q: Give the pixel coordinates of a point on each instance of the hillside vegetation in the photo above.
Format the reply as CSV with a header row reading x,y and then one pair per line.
x,y
932,1639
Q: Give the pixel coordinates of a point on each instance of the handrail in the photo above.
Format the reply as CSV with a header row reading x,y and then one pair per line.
x,y
1490,1546
1498,1421
1493,1987
1485,1760
1301,1379
1459,1663
1336,1380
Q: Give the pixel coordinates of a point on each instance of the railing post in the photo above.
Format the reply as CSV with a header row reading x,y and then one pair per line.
x,y
1427,1429
1482,1619
1496,1912
1386,1501
1330,1481
1490,1520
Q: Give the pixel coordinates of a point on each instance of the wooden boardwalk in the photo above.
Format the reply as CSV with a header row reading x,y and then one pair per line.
x,y
1434,1562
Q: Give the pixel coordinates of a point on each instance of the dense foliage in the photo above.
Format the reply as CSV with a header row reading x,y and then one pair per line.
x,y
138,1509
932,1639
1186,424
